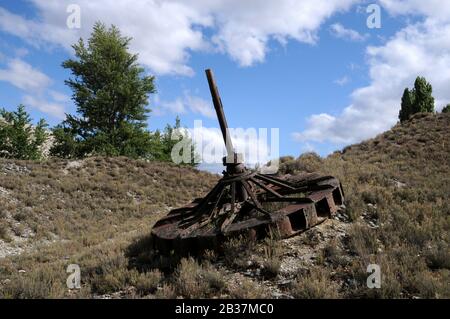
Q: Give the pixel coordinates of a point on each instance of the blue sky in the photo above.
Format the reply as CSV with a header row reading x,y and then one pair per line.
x,y
313,69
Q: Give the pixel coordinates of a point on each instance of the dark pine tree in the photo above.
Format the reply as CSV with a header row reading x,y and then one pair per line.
x,y
423,98
406,107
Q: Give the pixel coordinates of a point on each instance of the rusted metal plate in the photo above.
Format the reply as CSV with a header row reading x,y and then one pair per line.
x,y
292,215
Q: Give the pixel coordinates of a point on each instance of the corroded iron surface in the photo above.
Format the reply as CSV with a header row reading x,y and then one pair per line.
x,y
246,202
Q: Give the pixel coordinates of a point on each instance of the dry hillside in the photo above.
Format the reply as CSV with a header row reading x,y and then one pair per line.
x,y
97,212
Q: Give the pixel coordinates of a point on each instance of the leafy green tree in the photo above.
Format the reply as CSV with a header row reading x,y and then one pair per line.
x,y
446,109
165,142
18,138
66,142
419,99
111,95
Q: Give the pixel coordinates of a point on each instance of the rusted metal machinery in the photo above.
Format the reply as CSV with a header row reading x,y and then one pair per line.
x,y
246,202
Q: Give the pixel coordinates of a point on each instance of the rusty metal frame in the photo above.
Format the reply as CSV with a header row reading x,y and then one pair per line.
x,y
235,205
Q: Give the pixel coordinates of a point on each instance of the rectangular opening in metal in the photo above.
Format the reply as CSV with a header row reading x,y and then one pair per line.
x,y
298,220
322,208
337,197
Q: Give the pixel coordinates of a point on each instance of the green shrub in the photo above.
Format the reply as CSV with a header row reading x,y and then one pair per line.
x,y
446,109
18,138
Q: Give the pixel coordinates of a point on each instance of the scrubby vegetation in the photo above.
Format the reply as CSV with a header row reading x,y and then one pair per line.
x,y
97,213
18,138
396,187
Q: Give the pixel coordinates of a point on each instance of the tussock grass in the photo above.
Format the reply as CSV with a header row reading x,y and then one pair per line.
x,y
316,285
193,280
248,289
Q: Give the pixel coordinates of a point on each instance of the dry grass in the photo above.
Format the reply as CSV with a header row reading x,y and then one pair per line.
x,y
247,289
89,215
97,197
272,256
193,280
98,215
315,285
396,188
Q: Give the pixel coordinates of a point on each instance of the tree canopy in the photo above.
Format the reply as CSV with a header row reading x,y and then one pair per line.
x,y
419,99
18,137
111,94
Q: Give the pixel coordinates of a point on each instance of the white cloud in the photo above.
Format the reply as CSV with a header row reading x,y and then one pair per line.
x,y
339,31
176,106
342,81
16,25
35,84
21,52
245,27
198,105
184,104
58,96
52,108
24,76
436,9
419,49
165,32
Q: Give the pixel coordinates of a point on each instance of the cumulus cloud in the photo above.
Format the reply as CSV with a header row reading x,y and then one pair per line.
x,y
52,108
177,106
165,32
199,105
181,105
245,27
35,83
339,31
58,96
435,9
342,81
24,76
419,49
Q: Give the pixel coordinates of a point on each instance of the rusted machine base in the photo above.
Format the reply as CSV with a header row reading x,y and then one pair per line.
x,y
245,202
288,205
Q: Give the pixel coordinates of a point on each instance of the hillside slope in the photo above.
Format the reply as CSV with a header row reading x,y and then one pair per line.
x,y
96,213
397,189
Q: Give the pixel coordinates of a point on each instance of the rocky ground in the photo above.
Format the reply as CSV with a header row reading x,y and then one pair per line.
x,y
298,254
